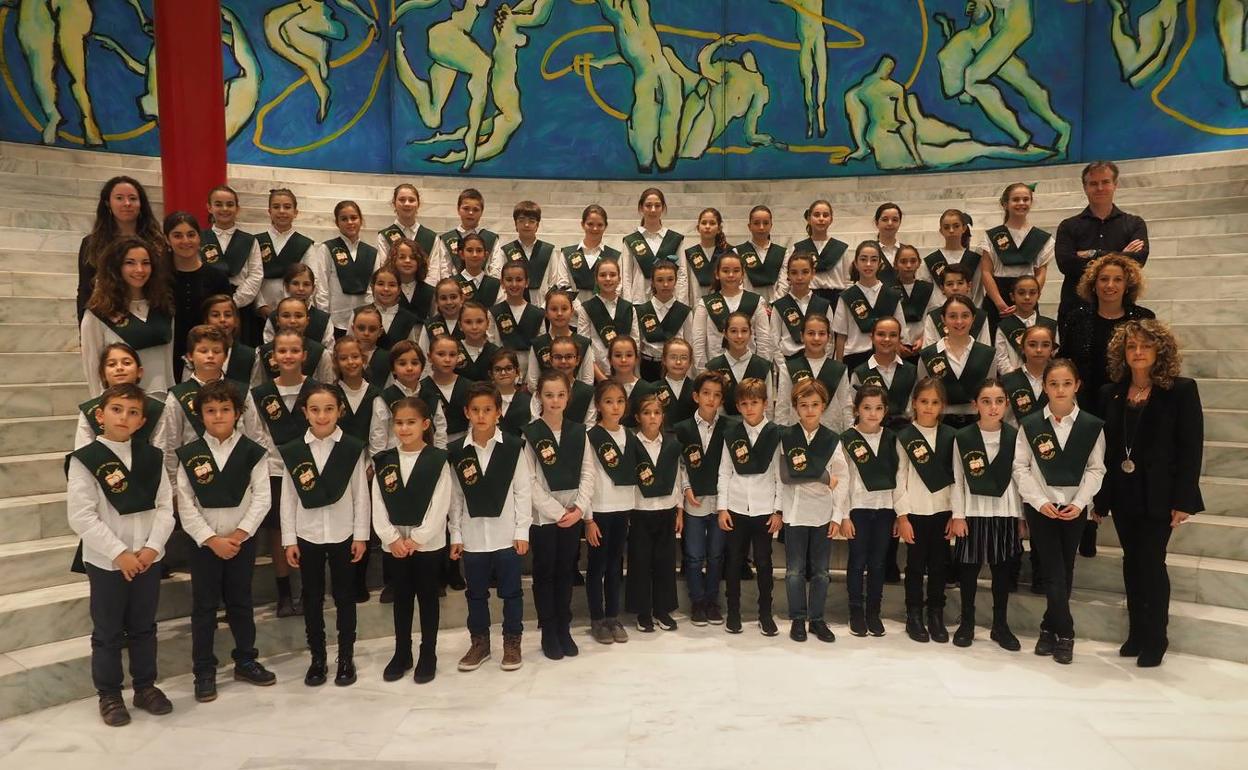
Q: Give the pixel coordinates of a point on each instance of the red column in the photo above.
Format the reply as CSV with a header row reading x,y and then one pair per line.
x,y
191,95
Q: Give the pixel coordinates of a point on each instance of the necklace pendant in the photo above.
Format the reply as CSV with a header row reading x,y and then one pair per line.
x,y
1128,466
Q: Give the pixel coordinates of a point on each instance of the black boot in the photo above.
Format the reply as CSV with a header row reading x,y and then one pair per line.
x,y
875,626
317,671
1001,633
400,663
965,635
936,625
426,665
914,626
550,644
345,676
857,621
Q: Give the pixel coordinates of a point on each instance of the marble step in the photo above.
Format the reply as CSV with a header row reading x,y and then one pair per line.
x,y
38,338
41,368
1225,394
28,309
39,260
33,517
1200,580
1215,537
27,435
52,614
46,675
1190,288
34,564
33,474
44,284
1225,424
1226,458
1205,364
56,398
1224,495
1202,312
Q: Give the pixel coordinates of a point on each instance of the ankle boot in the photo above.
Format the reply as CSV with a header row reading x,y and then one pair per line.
x,y
914,626
965,634
1001,633
875,626
936,625
857,621
400,663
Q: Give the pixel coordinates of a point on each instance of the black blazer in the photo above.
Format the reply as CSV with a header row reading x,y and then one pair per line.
x,y
1168,451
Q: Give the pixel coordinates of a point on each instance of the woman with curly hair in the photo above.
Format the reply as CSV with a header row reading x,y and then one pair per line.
x,y
123,210
132,302
1154,434
1109,288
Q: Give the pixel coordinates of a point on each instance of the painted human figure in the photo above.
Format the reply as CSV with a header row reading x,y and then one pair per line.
x,y
53,32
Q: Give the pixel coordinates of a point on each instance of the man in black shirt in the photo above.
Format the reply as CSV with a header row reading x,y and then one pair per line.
x,y
1099,229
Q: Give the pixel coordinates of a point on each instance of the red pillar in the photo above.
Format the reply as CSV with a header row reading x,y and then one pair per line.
x,y
191,95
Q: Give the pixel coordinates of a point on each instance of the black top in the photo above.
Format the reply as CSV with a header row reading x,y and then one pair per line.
x,y
1084,336
1085,231
190,289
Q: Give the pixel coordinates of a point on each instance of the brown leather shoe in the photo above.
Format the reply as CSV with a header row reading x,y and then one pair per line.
x,y
511,652
113,711
153,701
477,654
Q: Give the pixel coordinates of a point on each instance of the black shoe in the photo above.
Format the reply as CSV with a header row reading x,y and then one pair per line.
x,y
746,572
1152,656
915,628
397,668
767,624
152,700
821,631
387,595
697,615
206,688
645,624
1064,650
346,672
797,630
733,626
665,621
252,672
964,636
1005,638
936,630
567,643
286,607
1130,648
455,581
426,668
1039,587
113,710
874,625
317,671
857,621
1046,643
550,644
361,594
713,615
892,574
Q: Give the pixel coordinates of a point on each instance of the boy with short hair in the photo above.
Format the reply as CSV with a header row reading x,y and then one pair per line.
x,y
749,499
223,496
545,271
120,503
470,206
702,446
491,511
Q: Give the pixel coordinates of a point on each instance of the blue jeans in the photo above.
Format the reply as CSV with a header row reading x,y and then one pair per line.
x,y
873,529
505,565
806,546
704,547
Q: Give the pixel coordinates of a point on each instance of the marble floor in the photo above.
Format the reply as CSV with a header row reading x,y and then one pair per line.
x,y
697,698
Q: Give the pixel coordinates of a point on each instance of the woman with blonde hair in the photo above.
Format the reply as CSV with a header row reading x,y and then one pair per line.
x,y
1154,437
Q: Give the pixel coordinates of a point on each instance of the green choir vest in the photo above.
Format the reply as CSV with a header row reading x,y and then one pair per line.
x,y
1023,400
905,375
984,478
877,471
959,389
355,275
277,263
751,458
1017,254
217,487
317,489
645,258
717,307
233,259
655,331
933,464
139,334
656,477
485,491
408,502
1062,466
129,490
701,462
284,425
765,270
559,460
826,258
863,312
806,461
792,316
578,266
517,335
609,326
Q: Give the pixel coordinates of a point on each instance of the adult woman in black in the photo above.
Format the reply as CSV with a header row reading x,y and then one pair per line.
x,y
1110,286
193,281
1154,436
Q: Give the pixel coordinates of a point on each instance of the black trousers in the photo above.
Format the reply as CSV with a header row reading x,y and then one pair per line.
x,y
555,551
927,555
651,584
123,615
605,571
1056,543
415,578
968,577
1144,575
216,581
650,370
748,533
313,557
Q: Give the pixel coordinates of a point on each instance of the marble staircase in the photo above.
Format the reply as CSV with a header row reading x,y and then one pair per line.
x,y
1197,207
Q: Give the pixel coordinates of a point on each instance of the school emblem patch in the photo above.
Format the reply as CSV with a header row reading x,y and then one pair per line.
x,y
304,475
860,309
266,252
693,456
798,458
650,323
272,406
469,289
938,366
1016,337
792,316
859,450
1002,241
698,260
389,476
802,375
639,248
1023,400
938,272
211,254
188,401
873,379
506,324
610,457
608,334
115,478
645,474
468,471
513,254
543,355
577,260
1045,446
546,451
394,236
718,307
976,463
740,451
342,257
201,469
453,244
918,452
751,260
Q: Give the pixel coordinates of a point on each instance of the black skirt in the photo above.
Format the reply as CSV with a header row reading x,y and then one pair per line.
x,y
989,539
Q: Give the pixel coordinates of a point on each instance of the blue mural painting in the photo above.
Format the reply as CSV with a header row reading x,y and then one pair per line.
x,y
700,89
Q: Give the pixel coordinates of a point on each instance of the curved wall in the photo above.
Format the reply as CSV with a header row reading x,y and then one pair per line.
x,y
698,89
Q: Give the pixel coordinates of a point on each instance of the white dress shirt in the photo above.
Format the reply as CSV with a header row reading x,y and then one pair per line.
x,y
105,533
676,499
95,335
851,494
608,498
918,500
836,278
431,534
329,294
757,494
808,503
247,281
549,506
1030,479
965,503
203,523
346,519
483,534
858,341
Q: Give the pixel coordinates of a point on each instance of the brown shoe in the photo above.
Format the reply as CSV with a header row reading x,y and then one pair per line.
x,y
511,652
477,654
153,701
113,711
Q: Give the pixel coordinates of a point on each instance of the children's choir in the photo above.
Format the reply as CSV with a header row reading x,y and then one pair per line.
x,y
457,398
